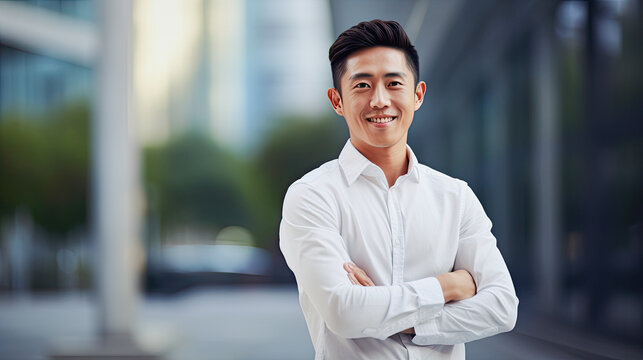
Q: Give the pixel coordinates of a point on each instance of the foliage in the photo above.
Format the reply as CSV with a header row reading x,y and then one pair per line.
x,y
196,183
44,167
190,181
293,148
298,146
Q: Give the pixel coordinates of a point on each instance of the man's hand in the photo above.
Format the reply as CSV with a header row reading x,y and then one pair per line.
x,y
457,285
357,276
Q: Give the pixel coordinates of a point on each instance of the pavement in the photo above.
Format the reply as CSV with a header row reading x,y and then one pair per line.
x,y
245,323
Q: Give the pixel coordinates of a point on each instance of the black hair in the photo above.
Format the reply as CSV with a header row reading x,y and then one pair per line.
x,y
370,34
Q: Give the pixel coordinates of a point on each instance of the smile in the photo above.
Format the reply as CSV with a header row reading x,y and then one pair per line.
x,y
381,120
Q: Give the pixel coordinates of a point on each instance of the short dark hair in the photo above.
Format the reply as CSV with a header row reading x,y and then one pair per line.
x,y
370,34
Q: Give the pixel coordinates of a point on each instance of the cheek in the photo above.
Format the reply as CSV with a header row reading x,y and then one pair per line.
x,y
357,103
406,103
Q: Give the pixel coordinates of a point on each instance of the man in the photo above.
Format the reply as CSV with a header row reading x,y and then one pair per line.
x,y
393,260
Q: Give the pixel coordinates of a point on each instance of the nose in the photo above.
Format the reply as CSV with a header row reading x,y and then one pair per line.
x,y
380,98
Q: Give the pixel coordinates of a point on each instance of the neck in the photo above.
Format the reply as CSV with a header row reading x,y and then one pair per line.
x,y
392,160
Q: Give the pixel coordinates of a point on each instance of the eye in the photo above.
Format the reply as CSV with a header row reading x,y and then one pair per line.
x,y
361,85
395,83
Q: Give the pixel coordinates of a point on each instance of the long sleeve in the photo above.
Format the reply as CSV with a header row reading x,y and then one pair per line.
x,y
494,307
315,251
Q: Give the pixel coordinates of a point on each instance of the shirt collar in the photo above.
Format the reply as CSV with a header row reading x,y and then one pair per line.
x,y
354,164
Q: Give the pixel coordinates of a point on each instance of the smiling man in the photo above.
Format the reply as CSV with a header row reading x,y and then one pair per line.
x,y
393,260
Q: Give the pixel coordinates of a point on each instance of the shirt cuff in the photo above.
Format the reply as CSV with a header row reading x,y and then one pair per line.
x,y
427,304
429,293
431,297
424,332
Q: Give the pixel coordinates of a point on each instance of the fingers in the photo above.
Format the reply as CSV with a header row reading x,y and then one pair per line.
x,y
357,275
363,278
352,279
349,272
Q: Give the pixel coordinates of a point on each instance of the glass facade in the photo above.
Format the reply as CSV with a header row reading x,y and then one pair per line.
x,y
544,125
36,84
80,9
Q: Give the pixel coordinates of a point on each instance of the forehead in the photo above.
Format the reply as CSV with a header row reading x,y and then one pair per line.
x,y
376,60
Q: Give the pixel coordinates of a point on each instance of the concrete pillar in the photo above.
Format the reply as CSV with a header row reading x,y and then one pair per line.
x,y
116,205
115,173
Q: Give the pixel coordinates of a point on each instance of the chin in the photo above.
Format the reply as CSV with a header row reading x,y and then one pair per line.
x,y
383,144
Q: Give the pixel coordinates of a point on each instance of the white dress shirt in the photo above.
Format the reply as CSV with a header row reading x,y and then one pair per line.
x,y
424,225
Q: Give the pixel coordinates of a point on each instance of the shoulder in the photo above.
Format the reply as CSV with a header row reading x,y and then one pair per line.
x,y
450,187
316,184
326,173
311,199
441,181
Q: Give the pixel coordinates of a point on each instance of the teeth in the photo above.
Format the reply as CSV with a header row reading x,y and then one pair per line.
x,y
380,120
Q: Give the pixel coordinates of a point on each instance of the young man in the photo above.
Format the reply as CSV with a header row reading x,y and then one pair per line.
x,y
393,260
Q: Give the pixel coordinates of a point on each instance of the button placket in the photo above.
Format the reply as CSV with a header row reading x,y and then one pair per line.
x,y
396,238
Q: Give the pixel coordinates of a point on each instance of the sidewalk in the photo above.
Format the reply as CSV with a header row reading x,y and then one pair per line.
x,y
215,323
244,323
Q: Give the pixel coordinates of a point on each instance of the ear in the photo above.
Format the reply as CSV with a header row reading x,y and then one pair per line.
x,y
420,90
336,101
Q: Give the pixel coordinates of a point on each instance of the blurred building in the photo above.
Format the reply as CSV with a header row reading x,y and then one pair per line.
x,y
287,66
47,50
536,104
37,75
229,68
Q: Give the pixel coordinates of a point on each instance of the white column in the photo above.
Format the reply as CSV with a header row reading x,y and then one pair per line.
x,y
115,175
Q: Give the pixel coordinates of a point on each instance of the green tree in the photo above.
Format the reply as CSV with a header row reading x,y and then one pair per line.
x,y
295,147
196,183
44,167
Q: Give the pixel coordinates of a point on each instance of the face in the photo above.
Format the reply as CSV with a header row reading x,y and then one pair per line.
x,y
378,98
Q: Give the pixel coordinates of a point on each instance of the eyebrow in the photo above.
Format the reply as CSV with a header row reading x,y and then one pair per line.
x,y
368,75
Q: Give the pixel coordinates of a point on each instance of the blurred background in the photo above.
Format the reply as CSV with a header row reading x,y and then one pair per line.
x,y
536,104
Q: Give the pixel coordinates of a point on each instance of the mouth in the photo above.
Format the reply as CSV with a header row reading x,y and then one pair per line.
x,y
381,119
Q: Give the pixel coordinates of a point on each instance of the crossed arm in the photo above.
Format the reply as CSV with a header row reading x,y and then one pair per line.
x,y
456,285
